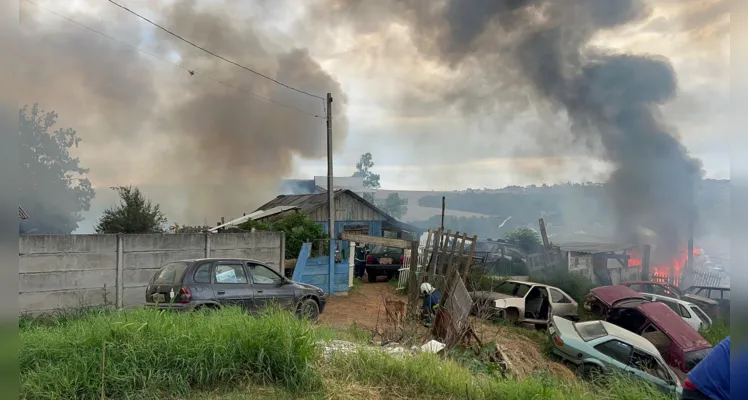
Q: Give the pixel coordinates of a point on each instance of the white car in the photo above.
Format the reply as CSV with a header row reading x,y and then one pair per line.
x,y
524,302
691,313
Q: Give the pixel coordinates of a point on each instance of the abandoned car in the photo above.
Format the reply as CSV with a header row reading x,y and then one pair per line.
x,y
663,289
524,302
691,313
680,345
214,283
720,294
598,347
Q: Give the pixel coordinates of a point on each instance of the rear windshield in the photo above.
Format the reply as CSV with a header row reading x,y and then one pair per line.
x,y
590,331
170,274
382,249
695,357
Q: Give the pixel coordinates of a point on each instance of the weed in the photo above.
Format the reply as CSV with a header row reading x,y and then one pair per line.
x,y
148,352
718,331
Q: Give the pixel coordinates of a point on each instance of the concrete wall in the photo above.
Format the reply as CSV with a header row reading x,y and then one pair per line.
x,y
62,271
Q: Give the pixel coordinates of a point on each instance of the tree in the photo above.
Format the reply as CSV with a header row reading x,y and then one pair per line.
x,y
134,214
371,180
394,205
297,227
525,238
53,187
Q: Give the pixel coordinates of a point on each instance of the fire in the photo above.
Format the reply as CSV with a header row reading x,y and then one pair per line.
x,y
678,263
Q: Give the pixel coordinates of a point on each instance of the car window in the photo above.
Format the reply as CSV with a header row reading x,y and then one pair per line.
x,y
636,287
673,305
506,288
230,273
202,273
684,311
170,274
558,297
699,313
657,289
699,292
616,350
522,290
648,364
263,275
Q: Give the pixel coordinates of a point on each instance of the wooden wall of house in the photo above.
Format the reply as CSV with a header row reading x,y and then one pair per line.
x,y
347,208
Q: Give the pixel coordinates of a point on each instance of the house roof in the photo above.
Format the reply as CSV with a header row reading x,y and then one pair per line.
x,y
307,203
593,247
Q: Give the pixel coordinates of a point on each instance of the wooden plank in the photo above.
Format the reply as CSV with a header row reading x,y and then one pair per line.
x,y
435,251
376,240
450,263
469,263
426,250
543,233
442,253
412,278
460,252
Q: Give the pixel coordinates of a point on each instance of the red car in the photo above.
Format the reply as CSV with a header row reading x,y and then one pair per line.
x,y
681,346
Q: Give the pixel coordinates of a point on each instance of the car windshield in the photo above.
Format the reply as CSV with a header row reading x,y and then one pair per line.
x,y
513,289
382,249
629,303
170,273
695,357
590,330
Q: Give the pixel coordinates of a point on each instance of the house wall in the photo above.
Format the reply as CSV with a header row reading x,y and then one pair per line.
x,y
64,271
347,208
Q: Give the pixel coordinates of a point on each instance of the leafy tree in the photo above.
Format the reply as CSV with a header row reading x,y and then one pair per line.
x,y
371,180
134,214
297,227
525,238
53,187
394,205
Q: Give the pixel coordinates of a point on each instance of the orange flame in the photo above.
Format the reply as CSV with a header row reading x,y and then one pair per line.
x,y
678,263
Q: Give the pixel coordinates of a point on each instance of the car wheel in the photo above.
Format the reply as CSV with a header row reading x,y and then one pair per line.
x,y
511,315
371,275
589,371
308,308
390,275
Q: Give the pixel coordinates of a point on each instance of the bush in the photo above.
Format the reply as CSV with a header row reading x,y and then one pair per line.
x,y
150,353
576,286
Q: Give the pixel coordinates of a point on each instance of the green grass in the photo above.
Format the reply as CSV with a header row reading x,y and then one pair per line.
x,y
149,352
719,330
228,355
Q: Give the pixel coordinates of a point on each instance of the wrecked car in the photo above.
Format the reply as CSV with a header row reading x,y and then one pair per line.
x,y
680,345
664,289
524,302
598,347
691,313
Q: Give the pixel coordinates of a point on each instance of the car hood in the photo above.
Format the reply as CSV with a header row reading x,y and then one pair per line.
x,y
610,295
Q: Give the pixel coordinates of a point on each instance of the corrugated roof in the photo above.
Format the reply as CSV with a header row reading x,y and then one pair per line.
x,y
593,247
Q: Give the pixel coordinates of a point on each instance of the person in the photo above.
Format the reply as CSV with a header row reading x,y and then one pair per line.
x,y
359,261
431,298
710,378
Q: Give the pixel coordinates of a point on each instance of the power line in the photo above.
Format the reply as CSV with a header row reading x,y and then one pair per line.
x,y
212,53
192,72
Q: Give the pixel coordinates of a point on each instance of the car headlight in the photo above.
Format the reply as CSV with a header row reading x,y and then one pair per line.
x,y
499,303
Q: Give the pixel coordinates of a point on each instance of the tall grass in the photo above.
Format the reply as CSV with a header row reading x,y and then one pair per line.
x,y
147,353
718,331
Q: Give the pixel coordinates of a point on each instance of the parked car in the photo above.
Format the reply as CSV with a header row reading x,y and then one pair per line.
x,y
219,282
601,299
384,261
691,313
680,345
524,302
601,347
720,294
664,289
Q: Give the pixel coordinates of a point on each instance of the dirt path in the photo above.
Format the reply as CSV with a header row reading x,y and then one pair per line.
x,y
361,307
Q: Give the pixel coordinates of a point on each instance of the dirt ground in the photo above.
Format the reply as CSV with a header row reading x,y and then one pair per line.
x,y
364,307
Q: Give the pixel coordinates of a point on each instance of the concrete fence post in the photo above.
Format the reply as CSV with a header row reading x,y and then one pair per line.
x,y
282,266
207,245
119,289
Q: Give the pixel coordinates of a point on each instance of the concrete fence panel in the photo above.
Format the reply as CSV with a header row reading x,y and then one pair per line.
x,y
66,271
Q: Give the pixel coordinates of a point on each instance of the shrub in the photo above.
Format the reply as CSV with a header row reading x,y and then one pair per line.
x,y
147,353
576,286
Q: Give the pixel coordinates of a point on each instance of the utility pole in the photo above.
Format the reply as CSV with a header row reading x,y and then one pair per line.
x,y
330,196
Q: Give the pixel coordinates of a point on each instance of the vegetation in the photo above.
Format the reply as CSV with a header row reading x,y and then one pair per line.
x,y
371,180
227,355
719,330
134,214
525,238
576,286
53,187
394,206
297,227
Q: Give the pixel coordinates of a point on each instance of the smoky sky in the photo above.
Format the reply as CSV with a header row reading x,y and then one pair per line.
x,y
529,52
218,150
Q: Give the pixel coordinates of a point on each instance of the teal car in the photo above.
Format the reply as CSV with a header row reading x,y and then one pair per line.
x,y
599,347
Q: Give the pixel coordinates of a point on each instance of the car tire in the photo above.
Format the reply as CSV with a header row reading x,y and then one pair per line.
x,y
589,371
308,308
511,315
371,275
390,275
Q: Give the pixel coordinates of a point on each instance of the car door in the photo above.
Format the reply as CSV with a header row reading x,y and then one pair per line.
x,y
649,368
561,304
691,318
269,287
614,353
230,284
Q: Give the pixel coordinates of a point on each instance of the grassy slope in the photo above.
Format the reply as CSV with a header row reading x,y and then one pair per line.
x,y
227,355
